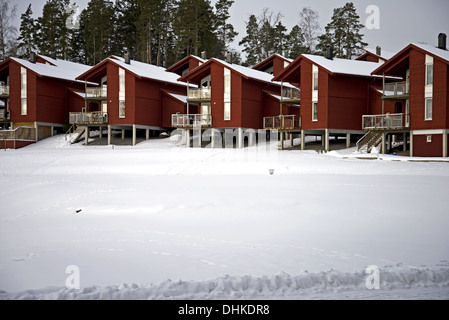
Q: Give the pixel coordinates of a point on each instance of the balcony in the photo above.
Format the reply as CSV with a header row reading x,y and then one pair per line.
x,y
88,118
20,133
199,95
289,122
4,91
97,93
191,120
291,95
387,121
396,91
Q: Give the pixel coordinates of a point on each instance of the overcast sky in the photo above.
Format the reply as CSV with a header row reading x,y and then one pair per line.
x,y
401,21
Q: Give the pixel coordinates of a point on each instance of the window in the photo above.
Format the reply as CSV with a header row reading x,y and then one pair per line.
x,y
315,81
122,109
429,139
315,111
429,74
227,111
23,107
122,91
227,94
428,110
23,92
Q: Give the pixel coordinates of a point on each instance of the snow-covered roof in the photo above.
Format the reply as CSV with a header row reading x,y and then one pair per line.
x,y
345,66
252,73
179,97
443,54
148,71
62,69
383,54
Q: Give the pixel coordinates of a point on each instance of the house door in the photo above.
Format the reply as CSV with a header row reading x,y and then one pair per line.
x,y
205,113
407,114
205,87
104,106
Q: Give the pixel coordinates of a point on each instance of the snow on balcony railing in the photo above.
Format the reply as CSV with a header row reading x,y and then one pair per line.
x,y
396,89
282,122
199,94
291,94
86,118
191,120
4,90
386,121
97,92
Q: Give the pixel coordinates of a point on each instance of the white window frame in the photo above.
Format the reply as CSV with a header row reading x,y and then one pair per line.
x,y
429,82
428,113
314,111
315,78
23,91
122,94
227,94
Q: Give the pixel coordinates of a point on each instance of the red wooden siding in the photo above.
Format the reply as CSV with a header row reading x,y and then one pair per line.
x,y
375,105
422,148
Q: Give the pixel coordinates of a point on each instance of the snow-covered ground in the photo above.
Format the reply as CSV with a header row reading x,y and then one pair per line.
x,y
158,221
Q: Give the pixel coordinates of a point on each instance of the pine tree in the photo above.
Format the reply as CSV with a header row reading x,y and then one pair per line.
x,y
99,30
127,13
7,30
194,27
225,31
26,40
280,39
295,43
308,22
77,50
343,32
53,35
251,42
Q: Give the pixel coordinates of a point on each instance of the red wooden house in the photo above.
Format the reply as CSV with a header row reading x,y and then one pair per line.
x,y
186,65
229,96
273,65
131,95
421,99
335,94
35,96
375,55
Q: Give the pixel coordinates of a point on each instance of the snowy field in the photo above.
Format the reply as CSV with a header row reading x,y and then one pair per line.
x,y
158,221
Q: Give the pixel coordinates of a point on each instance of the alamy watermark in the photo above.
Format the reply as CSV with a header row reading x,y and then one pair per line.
x,y
373,280
373,20
73,20
73,280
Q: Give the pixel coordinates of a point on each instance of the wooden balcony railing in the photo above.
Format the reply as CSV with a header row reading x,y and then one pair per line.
x,y
88,118
203,94
386,121
191,120
282,122
20,133
395,90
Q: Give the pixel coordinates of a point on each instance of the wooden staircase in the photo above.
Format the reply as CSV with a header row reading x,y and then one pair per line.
x,y
370,140
77,134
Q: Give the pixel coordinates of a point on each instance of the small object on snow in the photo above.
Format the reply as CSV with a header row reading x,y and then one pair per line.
x,y
78,211
271,171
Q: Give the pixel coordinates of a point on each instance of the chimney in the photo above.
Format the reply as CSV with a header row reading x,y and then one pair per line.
x,y
229,57
330,52
54,55
203,55
442,41
127,58
379,51
33,57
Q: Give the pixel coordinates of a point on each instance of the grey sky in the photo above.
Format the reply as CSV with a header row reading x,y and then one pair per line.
x,y
401,21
